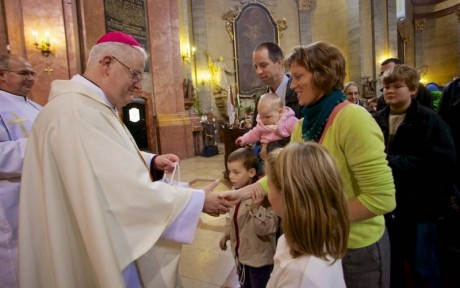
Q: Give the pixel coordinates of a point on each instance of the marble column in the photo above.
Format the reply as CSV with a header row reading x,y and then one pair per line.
x,y
379,32
360,49
187,44
367,55
354,40
174,125
305,21
200,36
392,28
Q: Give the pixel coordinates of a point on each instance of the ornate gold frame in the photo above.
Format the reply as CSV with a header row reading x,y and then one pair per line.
x,y
248,26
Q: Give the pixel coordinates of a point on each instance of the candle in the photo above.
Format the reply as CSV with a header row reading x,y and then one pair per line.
x,y
47,41
35,34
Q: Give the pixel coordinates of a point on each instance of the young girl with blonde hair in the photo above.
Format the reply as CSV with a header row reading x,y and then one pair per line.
x,y
306,192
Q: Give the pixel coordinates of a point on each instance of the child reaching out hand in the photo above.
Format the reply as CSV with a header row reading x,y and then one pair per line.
x,y
274,122
251,225
306,192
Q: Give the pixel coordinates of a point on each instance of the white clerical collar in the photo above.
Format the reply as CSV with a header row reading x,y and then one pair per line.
x,y
14,97
281,91
92,86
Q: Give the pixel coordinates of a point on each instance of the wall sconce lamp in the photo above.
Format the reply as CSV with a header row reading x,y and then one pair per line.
x,y
188,53
43,45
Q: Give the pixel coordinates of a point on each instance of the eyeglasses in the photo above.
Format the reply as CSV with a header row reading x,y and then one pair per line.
x,y
135,76
23,73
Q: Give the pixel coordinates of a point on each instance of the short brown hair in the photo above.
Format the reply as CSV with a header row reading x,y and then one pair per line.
x,y
245,156
324,60
274,51
315,215
402,73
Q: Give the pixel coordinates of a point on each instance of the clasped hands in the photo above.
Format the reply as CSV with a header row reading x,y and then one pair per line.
x,y
220,203
214,203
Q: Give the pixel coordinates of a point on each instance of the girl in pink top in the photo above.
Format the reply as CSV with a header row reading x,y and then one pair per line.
x,y
274,122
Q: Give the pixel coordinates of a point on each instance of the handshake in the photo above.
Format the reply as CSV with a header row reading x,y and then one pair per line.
x,y
214,203
220,203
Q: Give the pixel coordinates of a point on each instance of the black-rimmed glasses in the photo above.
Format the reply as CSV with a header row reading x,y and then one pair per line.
x,y
135,76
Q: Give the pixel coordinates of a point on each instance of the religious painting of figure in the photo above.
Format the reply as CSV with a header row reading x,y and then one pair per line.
x,y
252,26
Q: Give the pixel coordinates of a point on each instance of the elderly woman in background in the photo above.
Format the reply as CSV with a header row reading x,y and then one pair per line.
x,y
351,91
356,142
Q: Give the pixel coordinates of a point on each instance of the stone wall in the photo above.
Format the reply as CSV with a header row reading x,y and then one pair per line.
x,y
366,31
440,45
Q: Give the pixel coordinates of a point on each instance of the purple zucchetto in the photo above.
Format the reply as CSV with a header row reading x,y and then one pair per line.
x,y
119,37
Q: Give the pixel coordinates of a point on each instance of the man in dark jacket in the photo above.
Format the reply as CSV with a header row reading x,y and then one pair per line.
x,y
421,153
449,110
268,63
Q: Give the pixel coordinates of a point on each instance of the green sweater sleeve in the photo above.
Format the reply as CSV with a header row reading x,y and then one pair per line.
x,y
264,183
357,144
296,136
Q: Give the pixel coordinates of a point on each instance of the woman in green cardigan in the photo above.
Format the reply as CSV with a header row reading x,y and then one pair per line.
x,y
355,141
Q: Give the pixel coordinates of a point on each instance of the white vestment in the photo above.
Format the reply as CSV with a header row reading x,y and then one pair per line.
x,y
88,208
17,114
304,271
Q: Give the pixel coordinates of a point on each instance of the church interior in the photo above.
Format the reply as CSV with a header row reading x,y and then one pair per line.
x,y
200,56
188,40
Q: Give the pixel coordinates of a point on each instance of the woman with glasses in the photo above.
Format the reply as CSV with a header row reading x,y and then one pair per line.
x,y
351,91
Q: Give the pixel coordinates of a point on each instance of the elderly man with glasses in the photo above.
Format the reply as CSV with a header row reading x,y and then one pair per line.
x,y
17,114
90,215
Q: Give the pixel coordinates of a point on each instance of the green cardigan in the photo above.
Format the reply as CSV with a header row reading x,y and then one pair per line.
x,y
356,142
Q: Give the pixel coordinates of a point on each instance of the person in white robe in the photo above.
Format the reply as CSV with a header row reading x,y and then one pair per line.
x,y
90,215
17,114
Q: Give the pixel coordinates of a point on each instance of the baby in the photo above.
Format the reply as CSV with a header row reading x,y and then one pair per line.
x,y
274,122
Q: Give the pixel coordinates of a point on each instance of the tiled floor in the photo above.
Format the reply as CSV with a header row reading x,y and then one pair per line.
x,y
203,264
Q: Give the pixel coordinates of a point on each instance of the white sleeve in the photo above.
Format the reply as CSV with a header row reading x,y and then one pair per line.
x,y
12,157
182,229
147,157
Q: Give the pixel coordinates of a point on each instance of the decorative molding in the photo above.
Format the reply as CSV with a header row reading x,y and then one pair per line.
x,y
173,120
254,29
264,2
282,25
229,18
419,24
457,13
402,30
426,2
304,5
437,14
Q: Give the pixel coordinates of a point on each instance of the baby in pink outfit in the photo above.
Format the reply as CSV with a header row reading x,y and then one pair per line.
x,y
274,122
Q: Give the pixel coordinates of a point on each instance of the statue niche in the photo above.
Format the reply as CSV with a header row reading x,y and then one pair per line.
x,y
219,72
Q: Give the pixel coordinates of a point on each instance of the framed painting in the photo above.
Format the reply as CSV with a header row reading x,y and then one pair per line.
x,y
252,25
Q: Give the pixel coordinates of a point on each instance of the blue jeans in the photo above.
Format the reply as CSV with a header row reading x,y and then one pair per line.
x,y
426,262
414,253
